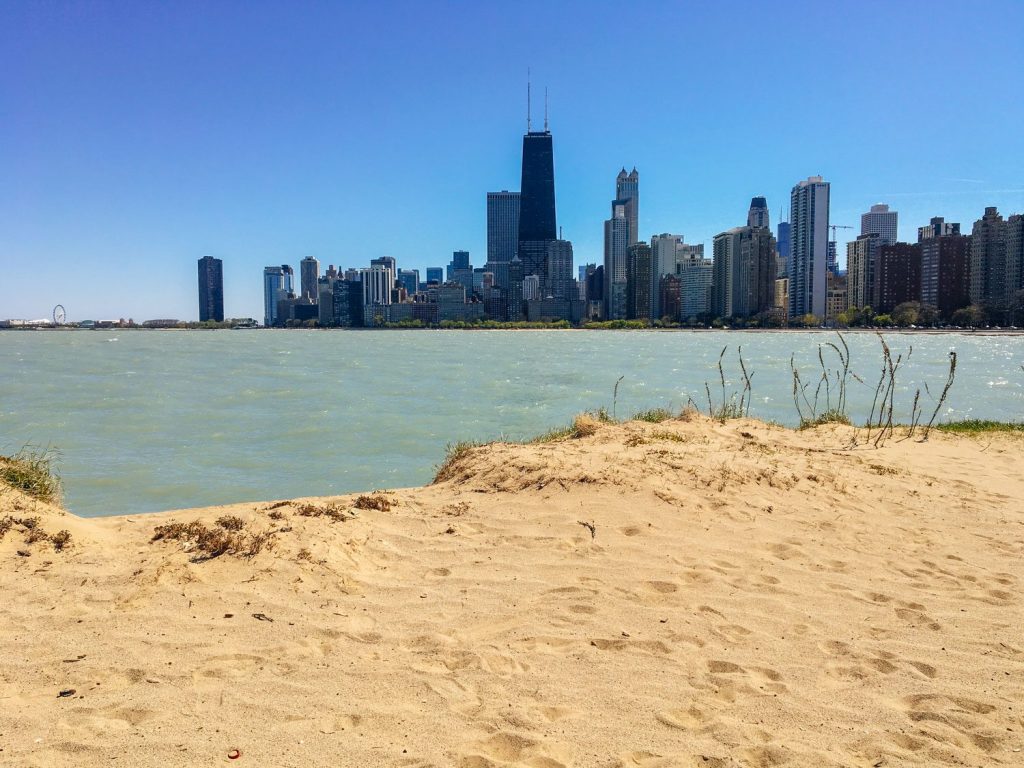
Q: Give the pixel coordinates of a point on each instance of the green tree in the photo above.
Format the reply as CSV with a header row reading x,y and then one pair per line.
x,y
907,313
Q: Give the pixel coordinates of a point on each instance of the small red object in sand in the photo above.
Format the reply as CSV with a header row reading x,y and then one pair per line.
x,y
234,754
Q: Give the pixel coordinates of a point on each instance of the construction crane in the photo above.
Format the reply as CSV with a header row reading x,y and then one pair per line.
x,y
832,259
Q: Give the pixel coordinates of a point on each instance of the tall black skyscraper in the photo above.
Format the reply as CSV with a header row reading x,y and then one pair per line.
x,y
537,200
537,189
211,289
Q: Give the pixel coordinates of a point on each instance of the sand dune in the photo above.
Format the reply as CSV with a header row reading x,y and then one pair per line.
x,y
676,594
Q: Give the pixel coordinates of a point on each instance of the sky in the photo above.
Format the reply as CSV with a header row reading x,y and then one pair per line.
x,y
136,137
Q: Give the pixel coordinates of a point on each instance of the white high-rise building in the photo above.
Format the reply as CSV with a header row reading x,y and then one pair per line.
x,y
882,222
378,280
695,276
808,217
531,287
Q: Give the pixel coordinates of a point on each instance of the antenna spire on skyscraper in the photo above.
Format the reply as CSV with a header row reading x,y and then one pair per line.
x,y
527,99
545,108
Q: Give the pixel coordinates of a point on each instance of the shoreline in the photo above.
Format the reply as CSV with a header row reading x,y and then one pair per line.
x,y
883,331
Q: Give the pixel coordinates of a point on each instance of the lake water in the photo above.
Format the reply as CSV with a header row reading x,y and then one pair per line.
x,y
147,421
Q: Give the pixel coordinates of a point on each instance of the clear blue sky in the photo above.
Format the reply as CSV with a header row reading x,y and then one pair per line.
x,y
136,137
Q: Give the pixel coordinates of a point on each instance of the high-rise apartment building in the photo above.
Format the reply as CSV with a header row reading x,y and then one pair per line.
x,y
946,272
808,217
695,276
757,215
882,222
743,283
670,297
211,289
665,250
937,227
861,256
639,282
502,233
616,243
988,260
277,286
309,273
560,284
627,189
897,276
1014,239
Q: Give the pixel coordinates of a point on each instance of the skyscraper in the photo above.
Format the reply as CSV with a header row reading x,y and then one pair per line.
x,y
616,242
861,256
881,221
211,289
410,280
695,275
502,233
639,282
277,285
897,276
808,217
946,271
461,271
436,274
784,247
309,273
560,283
627,189
988,260
757,215
537,222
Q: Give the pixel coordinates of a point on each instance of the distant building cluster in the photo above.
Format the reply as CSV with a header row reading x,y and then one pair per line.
x,y
753,276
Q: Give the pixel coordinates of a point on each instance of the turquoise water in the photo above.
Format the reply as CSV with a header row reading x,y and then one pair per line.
x,y
147,421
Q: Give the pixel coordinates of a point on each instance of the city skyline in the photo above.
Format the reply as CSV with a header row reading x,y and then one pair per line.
x,y
117,190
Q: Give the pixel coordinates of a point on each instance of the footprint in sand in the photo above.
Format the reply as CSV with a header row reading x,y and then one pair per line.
x,y
505,747
662,587
689,719
934,713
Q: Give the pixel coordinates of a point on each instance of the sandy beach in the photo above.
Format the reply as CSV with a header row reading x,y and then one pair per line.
x,y
686,593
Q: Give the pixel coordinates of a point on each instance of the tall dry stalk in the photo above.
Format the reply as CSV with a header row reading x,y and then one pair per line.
x,y
942,397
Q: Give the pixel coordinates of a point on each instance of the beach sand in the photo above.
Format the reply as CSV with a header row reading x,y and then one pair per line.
x,y
741,595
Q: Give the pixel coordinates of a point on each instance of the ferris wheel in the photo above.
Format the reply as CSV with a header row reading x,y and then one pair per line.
x,y
59,315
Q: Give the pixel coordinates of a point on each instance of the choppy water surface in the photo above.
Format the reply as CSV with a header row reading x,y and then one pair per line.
x,y
159,420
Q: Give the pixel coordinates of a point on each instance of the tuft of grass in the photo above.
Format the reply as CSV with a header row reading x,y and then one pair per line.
x,y
833,416
671,436
377,501
332,511
32,532
654,415
454,453
209,543
31,470
231,523
61,540
979,426
558,433
585,425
